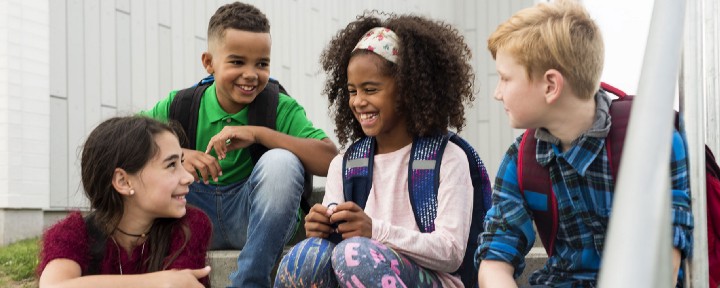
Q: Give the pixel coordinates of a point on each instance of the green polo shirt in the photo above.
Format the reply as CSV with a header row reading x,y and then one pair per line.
x,y
291,120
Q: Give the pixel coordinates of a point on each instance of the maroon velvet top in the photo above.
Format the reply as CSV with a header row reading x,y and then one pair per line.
x,y
68,239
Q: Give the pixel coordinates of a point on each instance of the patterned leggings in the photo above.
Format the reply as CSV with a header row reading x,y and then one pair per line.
x,y
355,262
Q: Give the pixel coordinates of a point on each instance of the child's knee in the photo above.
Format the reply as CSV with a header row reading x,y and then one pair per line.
x,y
309,262
356,254
280,166
280,157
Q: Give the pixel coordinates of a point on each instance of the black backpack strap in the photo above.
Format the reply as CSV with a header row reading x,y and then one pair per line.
x,y
184,109
263,112
357,171
96,242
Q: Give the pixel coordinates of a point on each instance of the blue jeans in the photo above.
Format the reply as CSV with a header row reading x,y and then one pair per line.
x,y
258,215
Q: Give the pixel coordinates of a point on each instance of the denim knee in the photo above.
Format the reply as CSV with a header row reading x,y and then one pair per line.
x,y
279,178
283,164
307,263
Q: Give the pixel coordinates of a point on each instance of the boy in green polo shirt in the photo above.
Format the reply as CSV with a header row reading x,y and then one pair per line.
x,y
253,206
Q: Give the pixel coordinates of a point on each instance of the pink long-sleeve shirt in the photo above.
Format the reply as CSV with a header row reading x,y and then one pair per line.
x,y
393,222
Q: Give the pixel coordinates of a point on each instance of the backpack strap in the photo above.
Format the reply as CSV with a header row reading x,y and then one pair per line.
x,y
482,201
620,113
620,116
357,171
534,180
479,176
535,186
423,176
184,109
424,179
263,112
423,185
96,242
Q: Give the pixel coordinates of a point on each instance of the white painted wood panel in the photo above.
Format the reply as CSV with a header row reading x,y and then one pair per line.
x,y
178,64
165,62
163,12
123,5
58,53
138,58
188,40
91,23
59,153
199,46
108,58
108,112
152,91
123,53
76,94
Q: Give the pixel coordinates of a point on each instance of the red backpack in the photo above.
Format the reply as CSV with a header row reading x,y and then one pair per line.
x,y
533,177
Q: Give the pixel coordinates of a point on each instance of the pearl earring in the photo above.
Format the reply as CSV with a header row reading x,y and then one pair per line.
x,y
132,192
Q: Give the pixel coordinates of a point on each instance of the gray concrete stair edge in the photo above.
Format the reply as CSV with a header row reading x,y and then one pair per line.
x,y
224,262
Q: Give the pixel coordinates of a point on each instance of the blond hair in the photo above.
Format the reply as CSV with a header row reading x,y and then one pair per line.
x,y
559,35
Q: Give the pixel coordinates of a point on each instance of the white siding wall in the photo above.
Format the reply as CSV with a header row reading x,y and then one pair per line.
x,y
24,114
118,57
711,73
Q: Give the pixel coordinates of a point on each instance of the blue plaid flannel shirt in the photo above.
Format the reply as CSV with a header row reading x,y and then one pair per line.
x,y
582,183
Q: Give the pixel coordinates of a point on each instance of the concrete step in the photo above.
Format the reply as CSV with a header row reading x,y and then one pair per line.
x,y
223,262
533,261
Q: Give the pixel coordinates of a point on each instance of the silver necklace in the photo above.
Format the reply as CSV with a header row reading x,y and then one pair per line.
x,y
142,251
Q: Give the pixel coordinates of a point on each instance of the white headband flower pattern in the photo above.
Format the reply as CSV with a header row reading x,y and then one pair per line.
x,y
381,41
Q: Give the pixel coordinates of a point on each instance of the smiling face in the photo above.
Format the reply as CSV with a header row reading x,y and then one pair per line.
x,y
161,185
373,100
240,62
523,98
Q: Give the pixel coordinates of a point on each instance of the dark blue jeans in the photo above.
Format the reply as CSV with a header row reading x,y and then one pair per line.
x,y
258,215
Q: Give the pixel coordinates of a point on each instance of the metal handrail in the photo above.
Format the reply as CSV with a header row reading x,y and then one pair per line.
x,y
692,108
638,244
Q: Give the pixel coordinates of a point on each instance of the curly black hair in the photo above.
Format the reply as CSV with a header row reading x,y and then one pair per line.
x,y
433,75
239,16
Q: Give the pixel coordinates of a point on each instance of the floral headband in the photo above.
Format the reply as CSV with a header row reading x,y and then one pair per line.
x,y
381,41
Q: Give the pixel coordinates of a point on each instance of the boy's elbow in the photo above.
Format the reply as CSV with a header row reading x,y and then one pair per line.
x,y
493,273
329,148
329,151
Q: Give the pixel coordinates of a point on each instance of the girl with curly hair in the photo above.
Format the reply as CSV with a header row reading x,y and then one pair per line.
x,y
395,80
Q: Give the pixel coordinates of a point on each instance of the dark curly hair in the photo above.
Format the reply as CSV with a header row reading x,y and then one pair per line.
x,y
433,75
239,16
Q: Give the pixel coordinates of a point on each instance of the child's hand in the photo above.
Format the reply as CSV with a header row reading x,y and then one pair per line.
x,y
181,278
231,138
356,222
201,165
317,222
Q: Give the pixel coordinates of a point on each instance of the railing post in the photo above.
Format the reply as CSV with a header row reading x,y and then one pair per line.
x,y
692,108
638,245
